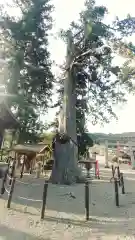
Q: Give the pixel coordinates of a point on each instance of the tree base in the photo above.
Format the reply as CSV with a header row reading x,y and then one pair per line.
x,y
65,169
70,177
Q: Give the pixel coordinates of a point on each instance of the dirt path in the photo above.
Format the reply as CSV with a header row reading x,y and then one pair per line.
x,y
65,216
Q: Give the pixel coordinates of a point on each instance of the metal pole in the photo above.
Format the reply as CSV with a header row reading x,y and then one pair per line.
x,y
12,171
122,183
87,199
118,173
22,169
116,192
113,171
11,193
44,199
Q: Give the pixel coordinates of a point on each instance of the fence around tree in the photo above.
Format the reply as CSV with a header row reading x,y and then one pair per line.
x,y
8,184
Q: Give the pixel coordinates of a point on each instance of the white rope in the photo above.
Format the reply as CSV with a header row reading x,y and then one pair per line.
x,y
7,191
9,177
26,183
112,179
6,188
30,199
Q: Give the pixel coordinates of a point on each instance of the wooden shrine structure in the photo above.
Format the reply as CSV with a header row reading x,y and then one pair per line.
x,y
32,154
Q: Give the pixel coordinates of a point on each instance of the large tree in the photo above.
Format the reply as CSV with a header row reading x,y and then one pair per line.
x,y
84,139
90,54
29,67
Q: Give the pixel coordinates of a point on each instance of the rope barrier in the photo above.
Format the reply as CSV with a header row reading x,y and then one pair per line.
x,y
5,186
9,177
26,183
30,199
43,201
112,179
13,179
7,191
25,198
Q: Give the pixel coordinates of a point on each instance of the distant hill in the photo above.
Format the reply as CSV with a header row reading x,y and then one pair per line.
x,y
110,136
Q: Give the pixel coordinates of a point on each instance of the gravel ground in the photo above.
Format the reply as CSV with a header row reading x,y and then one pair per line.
x,y
65,215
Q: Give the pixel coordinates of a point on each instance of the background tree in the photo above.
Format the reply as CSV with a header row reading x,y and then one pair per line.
x,y
29,66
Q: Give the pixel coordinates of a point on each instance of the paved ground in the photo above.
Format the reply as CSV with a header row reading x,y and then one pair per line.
x,y
65,216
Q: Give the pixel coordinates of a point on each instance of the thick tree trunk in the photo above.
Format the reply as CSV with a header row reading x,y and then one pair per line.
x,y
65,169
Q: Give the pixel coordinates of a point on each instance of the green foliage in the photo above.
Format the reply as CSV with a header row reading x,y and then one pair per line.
x,y
84,142
47,137
126,49
30,76
125,26
102,82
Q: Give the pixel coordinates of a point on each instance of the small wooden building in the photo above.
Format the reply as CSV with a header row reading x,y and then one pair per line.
x,y
30,148
33,153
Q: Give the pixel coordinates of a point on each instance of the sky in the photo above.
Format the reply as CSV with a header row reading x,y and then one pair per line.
x,y
67,11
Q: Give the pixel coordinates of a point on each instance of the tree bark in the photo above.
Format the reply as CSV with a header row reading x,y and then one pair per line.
x,y
65,169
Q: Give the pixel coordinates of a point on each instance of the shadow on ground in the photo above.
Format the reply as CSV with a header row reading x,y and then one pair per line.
x,y
70,199
12,234
105,217
98,226
105,227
